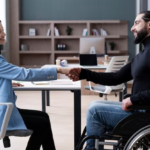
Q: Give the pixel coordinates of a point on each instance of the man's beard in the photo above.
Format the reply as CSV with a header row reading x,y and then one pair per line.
x,y
140,36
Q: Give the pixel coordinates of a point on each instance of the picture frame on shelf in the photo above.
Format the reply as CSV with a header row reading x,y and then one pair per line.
x,y
32,32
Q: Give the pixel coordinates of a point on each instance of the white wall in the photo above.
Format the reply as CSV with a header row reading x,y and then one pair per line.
x,y
148,6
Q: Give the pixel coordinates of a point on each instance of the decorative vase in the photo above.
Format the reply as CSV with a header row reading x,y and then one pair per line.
x,y
112,48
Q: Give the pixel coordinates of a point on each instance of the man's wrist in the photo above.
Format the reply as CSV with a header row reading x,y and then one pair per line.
x,y
129,102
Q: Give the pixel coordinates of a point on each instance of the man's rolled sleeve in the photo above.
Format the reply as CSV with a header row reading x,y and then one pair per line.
x,y
135,99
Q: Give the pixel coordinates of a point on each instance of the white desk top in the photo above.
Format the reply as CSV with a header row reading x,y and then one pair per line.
x,y
78,66
31,86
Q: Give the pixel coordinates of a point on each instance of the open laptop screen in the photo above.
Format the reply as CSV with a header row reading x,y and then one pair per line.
x,y
88,59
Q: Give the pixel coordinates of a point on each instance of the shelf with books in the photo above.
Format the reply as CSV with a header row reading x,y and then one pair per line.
x,y
40,45
68,28
41,28
110,28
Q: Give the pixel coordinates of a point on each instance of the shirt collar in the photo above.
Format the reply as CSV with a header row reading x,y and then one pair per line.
x,y
146,41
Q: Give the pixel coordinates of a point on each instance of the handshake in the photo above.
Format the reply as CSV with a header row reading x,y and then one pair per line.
x,y
72,73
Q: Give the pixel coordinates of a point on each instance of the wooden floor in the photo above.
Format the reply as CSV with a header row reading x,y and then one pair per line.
x,y
61,116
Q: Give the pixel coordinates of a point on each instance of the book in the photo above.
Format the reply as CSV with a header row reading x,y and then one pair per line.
x,y
48,32
103,32
56,32
84,32
95,32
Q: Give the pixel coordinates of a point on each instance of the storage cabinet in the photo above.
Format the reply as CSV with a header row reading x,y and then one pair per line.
x,y
43,48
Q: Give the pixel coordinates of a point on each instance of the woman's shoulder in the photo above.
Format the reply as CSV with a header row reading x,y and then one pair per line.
x,y
2,58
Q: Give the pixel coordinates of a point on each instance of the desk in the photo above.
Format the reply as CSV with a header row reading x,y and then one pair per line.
x,y
76,88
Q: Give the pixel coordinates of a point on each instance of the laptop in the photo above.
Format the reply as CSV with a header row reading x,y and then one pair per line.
x,y
88,59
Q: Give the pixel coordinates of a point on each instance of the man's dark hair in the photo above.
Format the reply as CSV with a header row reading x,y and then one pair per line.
x,y
146,16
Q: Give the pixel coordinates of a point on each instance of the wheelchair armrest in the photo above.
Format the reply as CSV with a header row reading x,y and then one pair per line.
x,y
142,107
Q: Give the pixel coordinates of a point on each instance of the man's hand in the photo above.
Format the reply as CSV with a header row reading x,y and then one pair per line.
x,y
17,84
126,103
74,74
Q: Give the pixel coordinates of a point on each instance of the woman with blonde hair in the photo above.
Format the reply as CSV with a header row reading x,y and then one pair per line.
x,y
20,119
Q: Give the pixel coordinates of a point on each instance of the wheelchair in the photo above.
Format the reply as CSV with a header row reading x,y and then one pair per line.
x,y
131,133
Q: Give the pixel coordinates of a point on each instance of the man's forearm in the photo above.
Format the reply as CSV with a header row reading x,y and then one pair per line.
x,y
108,78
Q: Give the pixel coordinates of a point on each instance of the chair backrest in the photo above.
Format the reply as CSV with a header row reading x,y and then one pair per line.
x,y
116,63
5,119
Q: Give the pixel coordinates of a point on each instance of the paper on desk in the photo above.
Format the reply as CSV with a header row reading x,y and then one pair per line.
x,y
41,83
64,82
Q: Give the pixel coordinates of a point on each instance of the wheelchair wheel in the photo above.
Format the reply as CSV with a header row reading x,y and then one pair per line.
x,y
140,140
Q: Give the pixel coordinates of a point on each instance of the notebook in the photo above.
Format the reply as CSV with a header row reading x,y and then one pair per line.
x,y
40,83
63,82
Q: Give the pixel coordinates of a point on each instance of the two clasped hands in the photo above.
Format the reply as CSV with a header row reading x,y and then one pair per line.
x,y
72,73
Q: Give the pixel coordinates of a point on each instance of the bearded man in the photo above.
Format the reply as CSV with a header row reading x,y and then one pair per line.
x,y
104,115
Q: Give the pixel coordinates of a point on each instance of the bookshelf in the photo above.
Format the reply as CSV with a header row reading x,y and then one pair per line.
x,y
43,48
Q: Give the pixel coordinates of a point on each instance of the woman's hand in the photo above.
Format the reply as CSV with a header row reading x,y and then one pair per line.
x,y
72,73
17,84
63,70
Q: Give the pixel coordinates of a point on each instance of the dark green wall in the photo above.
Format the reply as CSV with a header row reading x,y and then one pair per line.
x,y
81,10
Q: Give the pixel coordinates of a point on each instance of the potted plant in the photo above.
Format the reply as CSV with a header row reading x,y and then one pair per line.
x,y
112,45
69,30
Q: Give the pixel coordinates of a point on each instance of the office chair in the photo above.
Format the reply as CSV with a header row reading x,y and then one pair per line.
x,y
115,64
131,133
6,118
5,134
